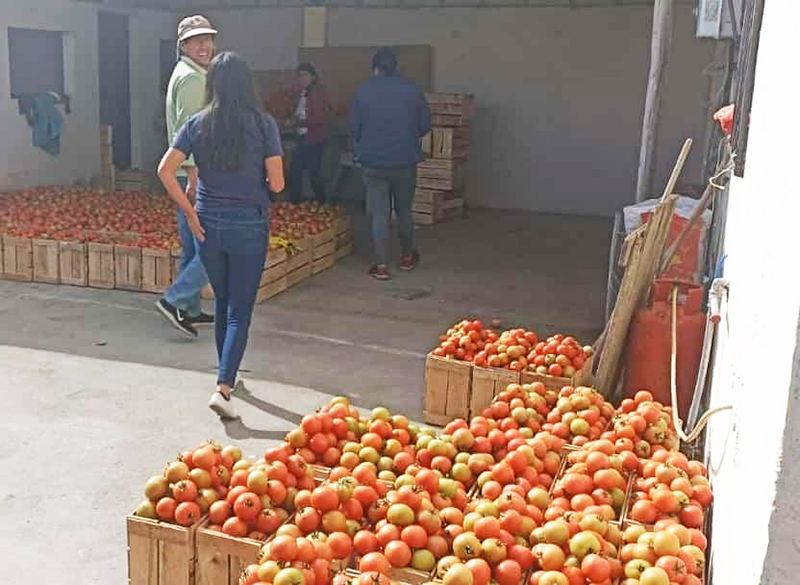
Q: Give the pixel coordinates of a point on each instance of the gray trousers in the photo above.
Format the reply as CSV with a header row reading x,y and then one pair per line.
x,y
384,186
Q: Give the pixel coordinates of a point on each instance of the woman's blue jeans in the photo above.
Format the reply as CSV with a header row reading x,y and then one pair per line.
x,y
233,253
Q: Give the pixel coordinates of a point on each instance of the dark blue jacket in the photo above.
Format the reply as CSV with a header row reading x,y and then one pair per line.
x,y
388,117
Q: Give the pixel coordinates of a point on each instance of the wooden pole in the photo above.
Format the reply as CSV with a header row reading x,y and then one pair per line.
x,y
659,56
645,259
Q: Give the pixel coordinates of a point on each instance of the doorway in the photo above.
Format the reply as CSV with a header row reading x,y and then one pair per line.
x,y
114,72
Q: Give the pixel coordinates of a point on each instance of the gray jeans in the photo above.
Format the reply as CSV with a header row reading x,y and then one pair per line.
x,y
384,186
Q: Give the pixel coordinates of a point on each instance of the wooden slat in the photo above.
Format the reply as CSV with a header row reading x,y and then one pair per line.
x,y
488,383
275,256
128,267
17,259
101,265
73,263
448,98
221,558
298,275
273,273
156,270
341,225
160,553
447,389
45,261
445,120
324,250
272,289
344,251
322,237
175,254
320,264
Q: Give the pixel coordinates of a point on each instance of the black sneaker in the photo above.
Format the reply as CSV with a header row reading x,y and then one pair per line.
x,y
175,316
202,319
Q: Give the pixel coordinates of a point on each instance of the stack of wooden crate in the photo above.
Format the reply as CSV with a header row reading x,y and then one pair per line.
x,y
441,177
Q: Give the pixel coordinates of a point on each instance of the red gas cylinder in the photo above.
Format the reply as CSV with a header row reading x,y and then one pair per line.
x,y
650,344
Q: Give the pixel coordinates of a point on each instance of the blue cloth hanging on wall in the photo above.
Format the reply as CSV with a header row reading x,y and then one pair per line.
x,y
46,120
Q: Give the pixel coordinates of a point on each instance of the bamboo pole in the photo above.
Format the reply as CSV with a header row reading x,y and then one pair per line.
x,y
642,265
659,57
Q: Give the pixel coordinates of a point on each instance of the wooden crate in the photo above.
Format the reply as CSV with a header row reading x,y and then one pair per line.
x,y
45,261
447,390
440,174
431,207
582,377
222,558
456,109
175,254
324,250
449,143
128,267
302,257
73,263
156,270
320,264
271,289
322,237
341,225
488,383
449,120
274,257
160,553
344,251
101,265
298,275
17,259
273,273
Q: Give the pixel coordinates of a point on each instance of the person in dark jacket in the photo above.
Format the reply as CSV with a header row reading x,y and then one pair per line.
x,y
309,119
388,118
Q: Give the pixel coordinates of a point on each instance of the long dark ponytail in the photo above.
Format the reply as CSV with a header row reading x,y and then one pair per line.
x,y
231,105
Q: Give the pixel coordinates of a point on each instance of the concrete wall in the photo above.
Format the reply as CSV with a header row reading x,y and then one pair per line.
x,y
23,165
148,121
561,92
20,163
754,449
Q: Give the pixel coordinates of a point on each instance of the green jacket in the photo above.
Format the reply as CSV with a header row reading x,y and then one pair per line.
x,y
185,97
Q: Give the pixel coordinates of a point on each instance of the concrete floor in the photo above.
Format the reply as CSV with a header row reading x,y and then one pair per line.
x,y
101,392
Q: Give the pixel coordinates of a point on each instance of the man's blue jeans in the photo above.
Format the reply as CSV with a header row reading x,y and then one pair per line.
x,y
233,253
185,291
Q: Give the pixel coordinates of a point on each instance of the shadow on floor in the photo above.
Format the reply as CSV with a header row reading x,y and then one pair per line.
x,y
342,332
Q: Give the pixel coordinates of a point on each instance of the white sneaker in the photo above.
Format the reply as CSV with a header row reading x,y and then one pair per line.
x,y
224,408
239,387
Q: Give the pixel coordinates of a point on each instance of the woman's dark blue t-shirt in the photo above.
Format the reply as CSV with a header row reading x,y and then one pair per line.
x,y
245,186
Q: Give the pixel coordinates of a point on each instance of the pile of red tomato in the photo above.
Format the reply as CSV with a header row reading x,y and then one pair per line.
x,y
541,488
298,220
515,349
131,218
509,497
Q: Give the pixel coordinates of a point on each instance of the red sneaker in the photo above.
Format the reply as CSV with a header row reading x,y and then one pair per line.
x,y
380,271
409,261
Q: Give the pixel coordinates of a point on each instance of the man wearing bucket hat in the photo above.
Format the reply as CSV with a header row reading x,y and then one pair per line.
x,y
180,305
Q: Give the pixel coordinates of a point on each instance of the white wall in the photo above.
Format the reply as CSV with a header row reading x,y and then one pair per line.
x,y
561,92
148,121
23,165
267,38
754,449
20,163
